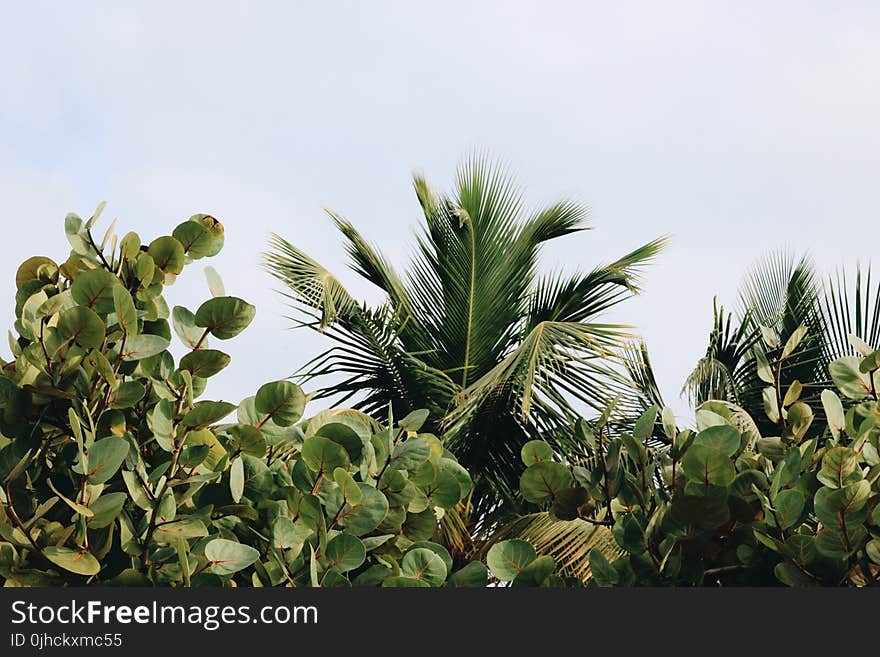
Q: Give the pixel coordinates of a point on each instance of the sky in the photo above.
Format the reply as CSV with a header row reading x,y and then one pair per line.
x,y
736,128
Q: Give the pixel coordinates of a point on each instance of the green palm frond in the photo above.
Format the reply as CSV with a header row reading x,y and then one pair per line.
x,y
309,282
728,364
851,309
637,361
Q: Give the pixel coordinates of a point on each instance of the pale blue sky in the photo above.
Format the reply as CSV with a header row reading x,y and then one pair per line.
x,y
735,127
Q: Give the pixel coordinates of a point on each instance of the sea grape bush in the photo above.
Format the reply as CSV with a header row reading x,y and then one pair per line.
x,y
723,504
113,469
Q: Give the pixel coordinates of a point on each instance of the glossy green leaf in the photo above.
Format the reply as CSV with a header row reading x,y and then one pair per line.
x,y
127,394
185,326
848,379
708,466
472,575
536,451
205,363
840,466
363,517
206,413
138,347
322,455
536,572
542,481
228,557
344,553
224,317
76,561
94,289
507,559
281,401
167,254
424,565
83,326
195,239
105,457
789,506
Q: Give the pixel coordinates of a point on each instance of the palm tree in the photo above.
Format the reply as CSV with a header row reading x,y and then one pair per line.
x,y
782,292
498,353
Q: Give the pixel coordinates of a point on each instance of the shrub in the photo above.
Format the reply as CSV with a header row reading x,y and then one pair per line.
x,y
114,470
724,504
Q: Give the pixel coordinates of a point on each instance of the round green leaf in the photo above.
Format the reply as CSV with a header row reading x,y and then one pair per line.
x,y
206,413
723,439
508,559
708,466
351,492
414,421
833,408
542,481
410,454
81,563
283,402
629,533
840,466
438,549
94,289
536,451
425,565
248,439
167,254
195,239
182,527
215,228
323,455
36,268
849,379
204,362
344,435
83,326
536,572
185,326
365,516
834,506
473,575
603,573
106,509
105,457
444,491
454,468
138,347
344,553
791,575
228,557
789,506
225,317
420,526
127,394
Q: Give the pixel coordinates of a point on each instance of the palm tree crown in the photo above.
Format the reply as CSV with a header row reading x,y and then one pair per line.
x,y
496,351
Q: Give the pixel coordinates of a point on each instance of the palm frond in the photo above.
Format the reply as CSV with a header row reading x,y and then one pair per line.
x,y
310,283
851,309
582,297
